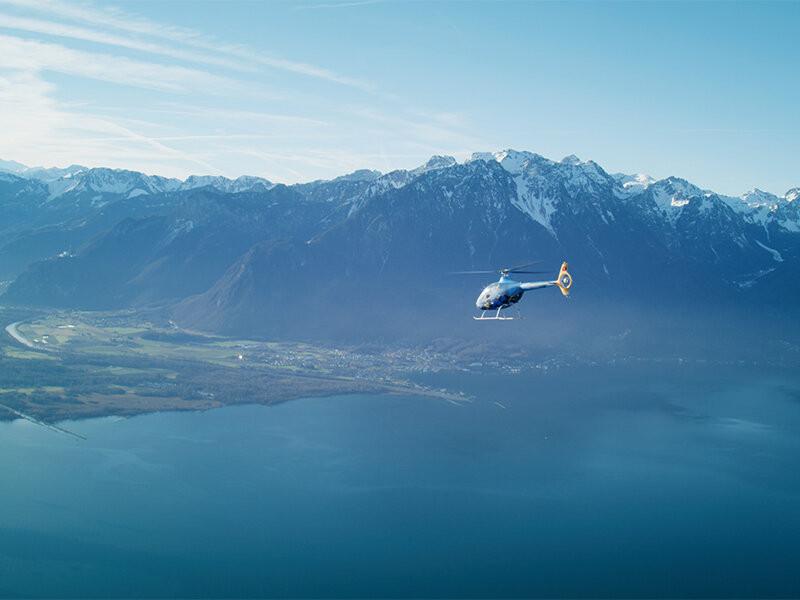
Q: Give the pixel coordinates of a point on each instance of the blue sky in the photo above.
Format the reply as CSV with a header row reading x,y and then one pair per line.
x,y
295,91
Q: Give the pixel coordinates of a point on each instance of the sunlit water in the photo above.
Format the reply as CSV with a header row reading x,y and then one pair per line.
x,y
599,482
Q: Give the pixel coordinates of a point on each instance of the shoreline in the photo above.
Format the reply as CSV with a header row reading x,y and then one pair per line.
x,y
123,366
9,414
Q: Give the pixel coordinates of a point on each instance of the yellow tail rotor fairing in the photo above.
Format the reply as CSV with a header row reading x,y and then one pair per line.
x,y
564,281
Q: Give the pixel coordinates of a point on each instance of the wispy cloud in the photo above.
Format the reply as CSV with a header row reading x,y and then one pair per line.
x,y
33,123
237,115
158,145
103,37
109,17
175,101
343,4
30,55
430,130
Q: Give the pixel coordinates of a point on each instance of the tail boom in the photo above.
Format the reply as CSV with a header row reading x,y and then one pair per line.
x,y
563,282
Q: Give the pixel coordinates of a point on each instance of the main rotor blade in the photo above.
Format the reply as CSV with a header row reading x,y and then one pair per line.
x,y
530,264
472,272
530,272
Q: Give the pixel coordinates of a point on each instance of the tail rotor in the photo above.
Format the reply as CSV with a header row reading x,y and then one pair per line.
x,y
564,281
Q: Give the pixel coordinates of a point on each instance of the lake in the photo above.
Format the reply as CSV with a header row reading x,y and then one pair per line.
x,y
648,480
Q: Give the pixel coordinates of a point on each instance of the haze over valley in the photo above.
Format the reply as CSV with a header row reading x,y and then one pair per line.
x,y
110,265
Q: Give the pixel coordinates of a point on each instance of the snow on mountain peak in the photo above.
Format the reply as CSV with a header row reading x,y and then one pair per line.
x,y
514,161
247,182
757,205
360,175
542,186
757,197
12,166
44,174
484,156
223,184
535,196
439,162
196,181
629,185
640,180
674,193
542,183
434,163
679,187
101,180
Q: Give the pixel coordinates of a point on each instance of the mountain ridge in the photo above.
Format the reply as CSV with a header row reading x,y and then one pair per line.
x,y
216,252
50,174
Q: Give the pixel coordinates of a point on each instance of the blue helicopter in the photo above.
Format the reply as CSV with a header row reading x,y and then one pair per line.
x,y
505,292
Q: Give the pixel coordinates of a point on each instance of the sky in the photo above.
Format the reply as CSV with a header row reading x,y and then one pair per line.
x,y
296,91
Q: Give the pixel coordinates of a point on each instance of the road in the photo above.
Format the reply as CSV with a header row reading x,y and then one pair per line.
x,y
14,333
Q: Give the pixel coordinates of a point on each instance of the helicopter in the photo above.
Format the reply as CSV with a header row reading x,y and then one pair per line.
x,y
506,291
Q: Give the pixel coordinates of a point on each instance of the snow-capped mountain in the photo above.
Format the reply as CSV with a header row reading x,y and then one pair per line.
x,y
11,166
434,163
359,175
106,183
632,184
539,181
223,184
238,244
540,185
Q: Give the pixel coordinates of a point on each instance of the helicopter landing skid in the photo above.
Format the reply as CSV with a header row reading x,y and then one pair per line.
x,y
496,317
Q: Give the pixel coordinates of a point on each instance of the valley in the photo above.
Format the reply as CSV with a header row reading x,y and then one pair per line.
x,y
336,260
71,365
58,365
137,293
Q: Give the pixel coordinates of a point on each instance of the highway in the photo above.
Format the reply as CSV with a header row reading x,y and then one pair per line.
x,y
14,333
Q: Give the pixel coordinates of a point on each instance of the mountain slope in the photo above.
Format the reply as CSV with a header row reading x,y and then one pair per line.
x,y
173,248
247,257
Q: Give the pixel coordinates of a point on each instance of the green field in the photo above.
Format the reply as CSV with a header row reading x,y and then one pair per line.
x,y
67,365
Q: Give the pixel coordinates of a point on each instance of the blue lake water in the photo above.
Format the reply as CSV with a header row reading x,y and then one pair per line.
x,y
656,481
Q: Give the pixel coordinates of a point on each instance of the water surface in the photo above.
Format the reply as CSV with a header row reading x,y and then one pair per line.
x,y
625,481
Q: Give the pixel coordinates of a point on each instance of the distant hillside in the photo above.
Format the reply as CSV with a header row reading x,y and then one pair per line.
x,y
372,250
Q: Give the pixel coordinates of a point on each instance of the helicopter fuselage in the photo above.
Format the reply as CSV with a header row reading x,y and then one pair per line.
x,y
500,294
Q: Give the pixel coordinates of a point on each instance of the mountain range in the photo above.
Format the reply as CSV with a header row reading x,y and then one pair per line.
x,y
371,252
